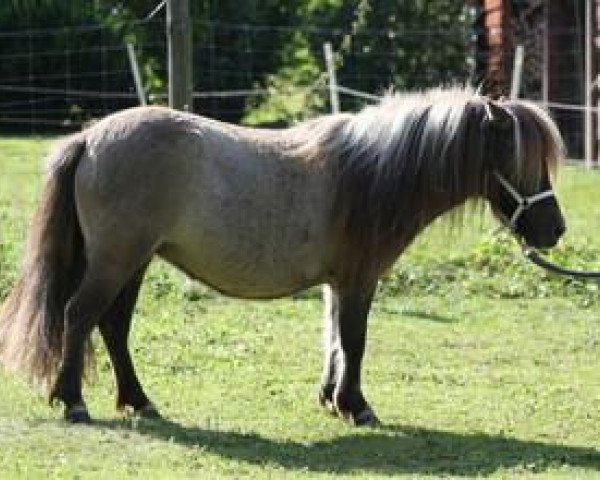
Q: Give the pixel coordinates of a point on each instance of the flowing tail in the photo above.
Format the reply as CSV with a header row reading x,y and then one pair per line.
x,y
32,316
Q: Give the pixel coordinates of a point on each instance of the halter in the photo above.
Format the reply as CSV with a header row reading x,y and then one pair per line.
x,y
523,203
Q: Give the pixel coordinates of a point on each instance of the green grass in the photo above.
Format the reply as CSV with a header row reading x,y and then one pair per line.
x,y
478,364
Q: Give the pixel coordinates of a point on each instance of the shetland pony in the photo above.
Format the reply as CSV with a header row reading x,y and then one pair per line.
x,y
260,214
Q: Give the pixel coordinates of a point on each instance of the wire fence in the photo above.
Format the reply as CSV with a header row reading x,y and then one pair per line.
x,y
66,76
57,79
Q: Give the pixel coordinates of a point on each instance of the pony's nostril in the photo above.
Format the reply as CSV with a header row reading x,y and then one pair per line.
x,y
560,230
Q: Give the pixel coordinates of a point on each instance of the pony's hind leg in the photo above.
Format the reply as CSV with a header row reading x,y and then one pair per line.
x,y
100,286
114,327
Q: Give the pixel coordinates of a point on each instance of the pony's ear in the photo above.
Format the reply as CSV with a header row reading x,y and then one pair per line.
x,y
498,116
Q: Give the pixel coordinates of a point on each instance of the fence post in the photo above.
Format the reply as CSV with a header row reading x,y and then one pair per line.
x,y
135,70
597,140
179,43
588,116
517,74
181,86
332,80
545,58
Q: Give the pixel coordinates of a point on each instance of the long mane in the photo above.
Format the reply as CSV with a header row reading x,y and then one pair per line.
x,y
402,160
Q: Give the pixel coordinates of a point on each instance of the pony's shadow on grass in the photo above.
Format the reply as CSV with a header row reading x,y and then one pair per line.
x,y
416,314
429,316
385,450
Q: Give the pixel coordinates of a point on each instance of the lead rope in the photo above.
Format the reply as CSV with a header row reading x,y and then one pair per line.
x,y
534,256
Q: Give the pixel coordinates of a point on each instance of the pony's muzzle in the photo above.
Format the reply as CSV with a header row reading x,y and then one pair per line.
x,y
546,237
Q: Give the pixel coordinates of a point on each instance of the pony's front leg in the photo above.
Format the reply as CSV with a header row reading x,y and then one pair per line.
x,y
347,323
331,348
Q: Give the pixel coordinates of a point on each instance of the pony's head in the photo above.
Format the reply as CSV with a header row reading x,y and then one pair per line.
x,y
524,148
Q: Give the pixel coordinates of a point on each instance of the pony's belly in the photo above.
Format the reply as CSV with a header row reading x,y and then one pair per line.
x,y
239,277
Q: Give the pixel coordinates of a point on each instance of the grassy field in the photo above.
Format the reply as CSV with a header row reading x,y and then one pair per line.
x,y
478,364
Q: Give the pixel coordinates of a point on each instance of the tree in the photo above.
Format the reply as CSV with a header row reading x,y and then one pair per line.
x,y
379,44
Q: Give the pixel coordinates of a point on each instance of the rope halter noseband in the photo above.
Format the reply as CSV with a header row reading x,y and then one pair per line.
x,y
523,202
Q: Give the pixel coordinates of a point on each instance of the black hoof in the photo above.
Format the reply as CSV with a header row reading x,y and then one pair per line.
x,y
148,411
366,418
77,414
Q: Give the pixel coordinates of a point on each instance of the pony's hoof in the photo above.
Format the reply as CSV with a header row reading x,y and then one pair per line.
x,y
77,414
148,411
366,418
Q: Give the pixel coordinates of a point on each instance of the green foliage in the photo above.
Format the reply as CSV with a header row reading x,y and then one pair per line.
x,y
44,13
406,45
495,268
123,21
7,266
291,95
427,41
